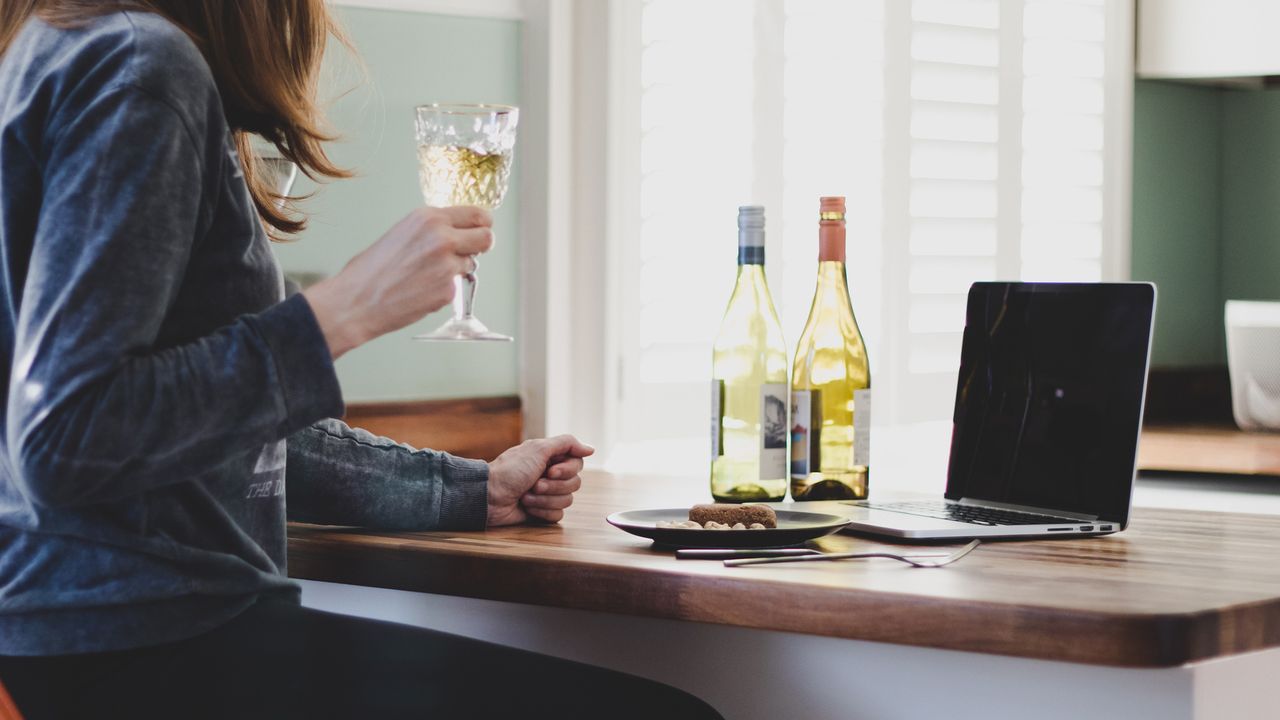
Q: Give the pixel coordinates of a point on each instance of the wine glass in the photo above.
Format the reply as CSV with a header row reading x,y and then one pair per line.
x,y
464,158
282,173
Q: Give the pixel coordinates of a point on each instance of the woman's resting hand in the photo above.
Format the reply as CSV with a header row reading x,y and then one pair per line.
x,y
405,275
535,479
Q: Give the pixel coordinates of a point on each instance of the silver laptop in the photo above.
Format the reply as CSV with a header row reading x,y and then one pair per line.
x,y
1047,415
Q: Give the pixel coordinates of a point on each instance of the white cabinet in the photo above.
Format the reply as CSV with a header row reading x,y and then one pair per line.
x,y
1208,38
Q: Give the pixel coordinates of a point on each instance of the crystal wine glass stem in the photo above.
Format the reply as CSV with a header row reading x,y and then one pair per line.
x,y
464,298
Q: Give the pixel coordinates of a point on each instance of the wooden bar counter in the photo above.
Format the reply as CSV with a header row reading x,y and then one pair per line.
x,y
1174,588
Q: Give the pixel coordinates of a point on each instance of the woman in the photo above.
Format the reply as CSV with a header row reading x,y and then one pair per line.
x,y
163,392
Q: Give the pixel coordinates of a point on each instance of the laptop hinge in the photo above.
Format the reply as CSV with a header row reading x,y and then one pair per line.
x,y
1026,509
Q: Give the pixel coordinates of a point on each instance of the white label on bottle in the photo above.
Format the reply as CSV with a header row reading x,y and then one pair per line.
x,y
801,409
717,415
862,427
773,431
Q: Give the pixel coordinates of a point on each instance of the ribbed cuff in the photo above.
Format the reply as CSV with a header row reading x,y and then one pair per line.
x,y
464,496
308,382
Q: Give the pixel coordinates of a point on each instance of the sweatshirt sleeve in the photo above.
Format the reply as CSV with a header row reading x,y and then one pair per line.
x,y
339,475
95,411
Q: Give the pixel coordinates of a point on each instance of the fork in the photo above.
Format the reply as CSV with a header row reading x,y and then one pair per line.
x,y
913,561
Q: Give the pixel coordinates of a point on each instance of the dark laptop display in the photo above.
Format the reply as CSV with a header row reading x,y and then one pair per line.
x,y
1052,376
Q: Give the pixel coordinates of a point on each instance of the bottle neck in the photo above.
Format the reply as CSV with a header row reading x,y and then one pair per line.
x,y
751,256
832,288
831,241
751,246
831,274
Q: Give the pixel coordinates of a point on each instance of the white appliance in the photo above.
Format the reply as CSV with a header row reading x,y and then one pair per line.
x,y
1253,361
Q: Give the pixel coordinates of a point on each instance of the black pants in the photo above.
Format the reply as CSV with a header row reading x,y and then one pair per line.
x,y
278,660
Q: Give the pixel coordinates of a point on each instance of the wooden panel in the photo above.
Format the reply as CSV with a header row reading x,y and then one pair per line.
x,y
1218,449
1189,427
1176,587
473,427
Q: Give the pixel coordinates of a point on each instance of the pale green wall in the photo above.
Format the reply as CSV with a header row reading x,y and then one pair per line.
x,y
1177,214
410,59
1206,209
1251,195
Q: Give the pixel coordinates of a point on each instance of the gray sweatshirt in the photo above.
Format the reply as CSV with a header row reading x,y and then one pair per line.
x,y
162,393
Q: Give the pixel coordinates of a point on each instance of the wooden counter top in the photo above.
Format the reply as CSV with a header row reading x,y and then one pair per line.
x,y
1209,448
1176,587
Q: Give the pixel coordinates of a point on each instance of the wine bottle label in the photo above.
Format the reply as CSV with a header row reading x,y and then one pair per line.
x,y
862,427
800,424
717,419
806,431
773,431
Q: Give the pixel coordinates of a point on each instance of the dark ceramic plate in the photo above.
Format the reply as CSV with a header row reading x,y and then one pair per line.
x,y
794,527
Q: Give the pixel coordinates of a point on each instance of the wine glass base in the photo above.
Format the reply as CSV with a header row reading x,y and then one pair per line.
x,y
463,330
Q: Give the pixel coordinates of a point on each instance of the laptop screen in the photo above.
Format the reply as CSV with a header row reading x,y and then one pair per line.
x,y
1049,399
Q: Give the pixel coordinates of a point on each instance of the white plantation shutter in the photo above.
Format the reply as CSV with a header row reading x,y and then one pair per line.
x,y
832,144
766,102
695,120
1064,110
1006,172
950,222
970,137
693,129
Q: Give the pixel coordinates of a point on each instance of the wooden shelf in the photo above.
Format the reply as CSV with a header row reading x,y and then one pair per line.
x,y
1209,448
480,427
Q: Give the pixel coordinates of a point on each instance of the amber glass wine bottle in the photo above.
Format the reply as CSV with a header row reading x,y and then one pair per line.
x,y
749,382
830,381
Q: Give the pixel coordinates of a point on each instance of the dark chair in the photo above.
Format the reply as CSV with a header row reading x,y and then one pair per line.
x,y
8,710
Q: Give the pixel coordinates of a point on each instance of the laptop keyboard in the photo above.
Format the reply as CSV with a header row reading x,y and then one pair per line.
x,y
967,513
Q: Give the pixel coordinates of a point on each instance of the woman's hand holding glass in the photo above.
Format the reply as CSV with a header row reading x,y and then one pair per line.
x,y
407,274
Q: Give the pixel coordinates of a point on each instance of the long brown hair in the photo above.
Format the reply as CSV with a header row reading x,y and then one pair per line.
x,y
265,56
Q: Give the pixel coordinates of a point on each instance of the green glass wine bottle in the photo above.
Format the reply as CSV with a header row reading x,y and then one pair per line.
x,y
749,398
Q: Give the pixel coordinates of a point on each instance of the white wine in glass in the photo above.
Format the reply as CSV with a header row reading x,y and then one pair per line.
x,y
452,175
464,158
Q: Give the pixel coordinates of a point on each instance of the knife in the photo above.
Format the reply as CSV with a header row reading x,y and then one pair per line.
x,y
729,554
